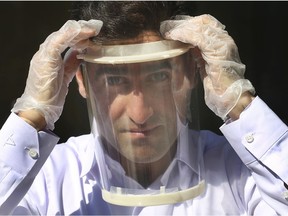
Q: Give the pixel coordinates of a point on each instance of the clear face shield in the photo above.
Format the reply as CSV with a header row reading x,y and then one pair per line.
x,y
139,101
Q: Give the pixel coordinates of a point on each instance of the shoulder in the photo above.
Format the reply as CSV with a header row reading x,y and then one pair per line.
x,y
219,155
77,153
212,140
74,146
64,172
214,143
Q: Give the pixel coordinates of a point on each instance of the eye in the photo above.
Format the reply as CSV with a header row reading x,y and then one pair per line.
x,y
115,80
159,76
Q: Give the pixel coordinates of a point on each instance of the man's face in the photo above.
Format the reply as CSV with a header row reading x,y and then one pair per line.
x,y
136,108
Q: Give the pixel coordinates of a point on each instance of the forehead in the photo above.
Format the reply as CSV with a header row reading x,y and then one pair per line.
x,y
144,37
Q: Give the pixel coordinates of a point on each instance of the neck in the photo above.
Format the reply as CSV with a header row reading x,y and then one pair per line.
x,y
146,173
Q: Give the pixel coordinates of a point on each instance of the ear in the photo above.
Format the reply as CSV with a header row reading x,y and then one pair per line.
x,y
80,81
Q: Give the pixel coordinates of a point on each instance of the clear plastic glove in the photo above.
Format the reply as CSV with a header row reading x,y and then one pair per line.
x,y
49,76
223,77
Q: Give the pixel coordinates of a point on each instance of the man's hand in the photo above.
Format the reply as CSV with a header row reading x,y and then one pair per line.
x,y
218,59
49,75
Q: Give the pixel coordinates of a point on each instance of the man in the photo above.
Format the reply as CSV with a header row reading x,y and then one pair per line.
x,y
138,71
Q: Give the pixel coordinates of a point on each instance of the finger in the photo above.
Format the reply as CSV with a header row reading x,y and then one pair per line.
x,y
69,34
58,41
207,19
83,44
202,31
167,26
88,29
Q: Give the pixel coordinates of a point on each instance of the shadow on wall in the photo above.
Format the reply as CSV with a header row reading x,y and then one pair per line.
x,y
257,27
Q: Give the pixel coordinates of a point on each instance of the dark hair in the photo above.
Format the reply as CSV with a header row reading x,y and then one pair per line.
x,y
127,19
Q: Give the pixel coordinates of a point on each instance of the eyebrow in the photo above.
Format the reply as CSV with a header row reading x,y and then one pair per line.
x,y
158,64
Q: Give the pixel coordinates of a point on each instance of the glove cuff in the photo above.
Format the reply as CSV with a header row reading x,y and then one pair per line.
x,y
239,87
49,112
221,105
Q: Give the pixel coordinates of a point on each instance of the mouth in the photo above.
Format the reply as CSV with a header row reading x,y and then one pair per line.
x,y
141,132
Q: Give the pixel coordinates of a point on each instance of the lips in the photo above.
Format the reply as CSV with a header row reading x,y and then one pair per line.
x,y
141,132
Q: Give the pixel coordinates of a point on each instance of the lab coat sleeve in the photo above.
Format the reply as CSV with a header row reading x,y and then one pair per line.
x,y
261,140
23,152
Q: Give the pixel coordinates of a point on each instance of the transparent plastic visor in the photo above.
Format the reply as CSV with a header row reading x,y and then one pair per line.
x,y
138,99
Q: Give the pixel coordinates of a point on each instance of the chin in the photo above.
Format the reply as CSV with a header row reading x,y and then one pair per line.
x,y
144,158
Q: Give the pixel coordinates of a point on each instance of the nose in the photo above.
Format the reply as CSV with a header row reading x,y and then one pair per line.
x,y
138,109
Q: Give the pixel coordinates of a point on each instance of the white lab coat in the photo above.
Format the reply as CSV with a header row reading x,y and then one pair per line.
x,y
247,183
